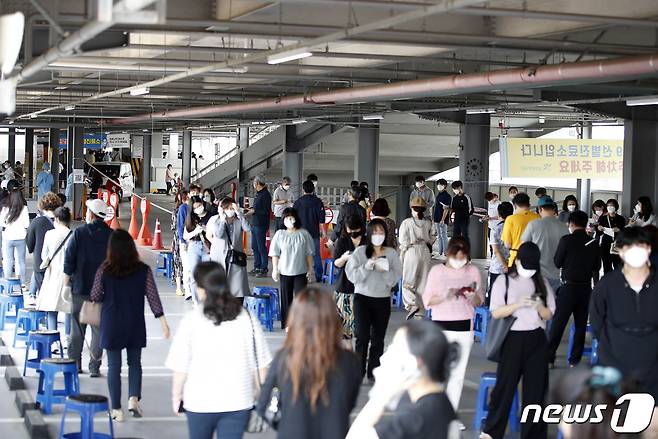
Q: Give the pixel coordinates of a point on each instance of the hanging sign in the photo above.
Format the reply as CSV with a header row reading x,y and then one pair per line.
x,y
117,140
93,141
561,158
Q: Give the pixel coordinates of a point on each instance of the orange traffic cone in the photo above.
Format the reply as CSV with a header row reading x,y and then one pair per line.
x,y
157,239
133,228
144,237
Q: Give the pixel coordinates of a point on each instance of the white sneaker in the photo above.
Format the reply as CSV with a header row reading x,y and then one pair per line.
x,y
117,415
461,426
484,435
134,408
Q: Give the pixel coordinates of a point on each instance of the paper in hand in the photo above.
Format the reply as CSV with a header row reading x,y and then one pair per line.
x,y
609,231
382,264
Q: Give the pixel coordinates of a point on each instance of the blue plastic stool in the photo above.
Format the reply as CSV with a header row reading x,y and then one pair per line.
x,y
165,264
8,302
7,285
261,307
42,342
594,360
488,381
273,294
27,320
428,314
328,274
87,406
396,299
587,350
481,323
47,395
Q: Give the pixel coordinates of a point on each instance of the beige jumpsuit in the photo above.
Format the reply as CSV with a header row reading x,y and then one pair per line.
x,y
414,237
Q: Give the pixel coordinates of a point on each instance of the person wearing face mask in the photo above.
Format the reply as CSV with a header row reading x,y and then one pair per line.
x,y
610,224
352,237
569,205
453,291
515,224
346,196
442,214
313,179
292,252
312,216
260,223
642,213
417,235
623,313
181,217
524,294
225,233
414,372
347,210
462,206
422,191
195,235
598,209
381,210
512,191
45,181
281,199
500,252
373,269
578,257
209,200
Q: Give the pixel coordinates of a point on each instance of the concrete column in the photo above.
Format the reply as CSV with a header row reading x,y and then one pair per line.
x,y
402,204
366,157
474,171
69,151
76,146
28,166
187,158
12,146
146,163
54,152
156,145
640,157
242,143
584,186
293,167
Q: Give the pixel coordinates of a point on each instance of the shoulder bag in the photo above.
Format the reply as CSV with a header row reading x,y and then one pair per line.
x,y
613,247
45,264
233,256
497,331
90,313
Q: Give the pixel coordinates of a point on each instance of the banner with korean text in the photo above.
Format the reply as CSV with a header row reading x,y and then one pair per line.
x,y
561,158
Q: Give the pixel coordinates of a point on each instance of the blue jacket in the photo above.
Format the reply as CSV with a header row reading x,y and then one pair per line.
x,y
85,252
180,221
262,206
311,213
45,183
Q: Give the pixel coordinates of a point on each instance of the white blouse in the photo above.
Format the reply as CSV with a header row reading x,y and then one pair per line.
x,y
16,230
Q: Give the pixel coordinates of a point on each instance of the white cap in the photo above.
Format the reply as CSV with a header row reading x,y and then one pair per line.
x,y
98,207
3,185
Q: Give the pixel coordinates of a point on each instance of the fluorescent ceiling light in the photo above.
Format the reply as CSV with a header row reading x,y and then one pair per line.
x,y
69,107
373,117
481,111
33,116
139,91
61,87
299,121
290,55
145,130
168,129
242,69
649,100
542,120
533,130
218,28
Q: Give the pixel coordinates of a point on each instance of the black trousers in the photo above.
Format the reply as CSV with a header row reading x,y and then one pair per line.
x,y
523,355
371,316
609,262
571,299
289,286
492,279
460,229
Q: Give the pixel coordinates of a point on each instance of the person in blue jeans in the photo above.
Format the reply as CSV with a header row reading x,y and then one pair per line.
x,y
260,222
311,214
442,214
14,220
198,214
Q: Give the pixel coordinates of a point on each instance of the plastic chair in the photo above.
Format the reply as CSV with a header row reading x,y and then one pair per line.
x,y
42,342
487,382
396,298
587,350
261,307
165,264
27,320
481,323
47,395
329,272
7,302
594,360
273,294
7,285
87,406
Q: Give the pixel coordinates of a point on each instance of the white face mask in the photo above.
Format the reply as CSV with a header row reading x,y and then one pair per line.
x,y
457,263
571,208
315,184
286,187
378,240
611,209
523,272
636,257
419,184
441,187
456,191
230,213
289,222
199,210
638,208
206,198
598,212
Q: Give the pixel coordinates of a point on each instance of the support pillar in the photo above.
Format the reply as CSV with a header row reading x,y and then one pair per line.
x,y
584,186
76,146
28,166
474,171
293,167
156,145
187,158
242,144
402,209
366,157
54,154
640,157
12,146
146,163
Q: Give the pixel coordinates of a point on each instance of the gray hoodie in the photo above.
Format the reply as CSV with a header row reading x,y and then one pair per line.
x,y
372,283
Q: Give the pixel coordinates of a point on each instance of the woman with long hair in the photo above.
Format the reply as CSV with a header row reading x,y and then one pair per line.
x,y
36,234
180,199
610,224
373,269
525,294
569,205
213,357
121,283
411,385
194,232
381,211
317,379
225,233
14,220
642,213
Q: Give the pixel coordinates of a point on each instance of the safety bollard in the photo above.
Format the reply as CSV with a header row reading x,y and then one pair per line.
x,y
157,239
114,206
144,237
133,228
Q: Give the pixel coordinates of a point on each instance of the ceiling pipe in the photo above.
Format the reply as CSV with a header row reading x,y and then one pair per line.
x,y
604,70
71,43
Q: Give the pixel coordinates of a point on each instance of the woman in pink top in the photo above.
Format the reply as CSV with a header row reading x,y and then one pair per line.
x,y
452,292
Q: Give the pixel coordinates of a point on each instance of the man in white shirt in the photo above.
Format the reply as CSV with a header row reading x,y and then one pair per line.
x,y
281,199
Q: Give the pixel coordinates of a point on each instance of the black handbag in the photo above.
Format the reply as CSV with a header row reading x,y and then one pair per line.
x,y
497,332
233,256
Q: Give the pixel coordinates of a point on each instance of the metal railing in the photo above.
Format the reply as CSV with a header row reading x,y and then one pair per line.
x,y
212,166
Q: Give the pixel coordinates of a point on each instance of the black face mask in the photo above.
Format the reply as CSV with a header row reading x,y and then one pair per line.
x,y
356,234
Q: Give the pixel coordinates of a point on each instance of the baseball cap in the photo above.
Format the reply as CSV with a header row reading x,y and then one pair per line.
x,y
98,207
546,201
529,256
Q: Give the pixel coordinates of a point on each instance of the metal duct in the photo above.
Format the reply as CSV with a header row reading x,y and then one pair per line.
x,y
593,71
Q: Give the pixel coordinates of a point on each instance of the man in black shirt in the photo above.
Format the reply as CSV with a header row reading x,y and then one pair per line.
x,y
347,210
311,214
579,258
259,225
463,208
